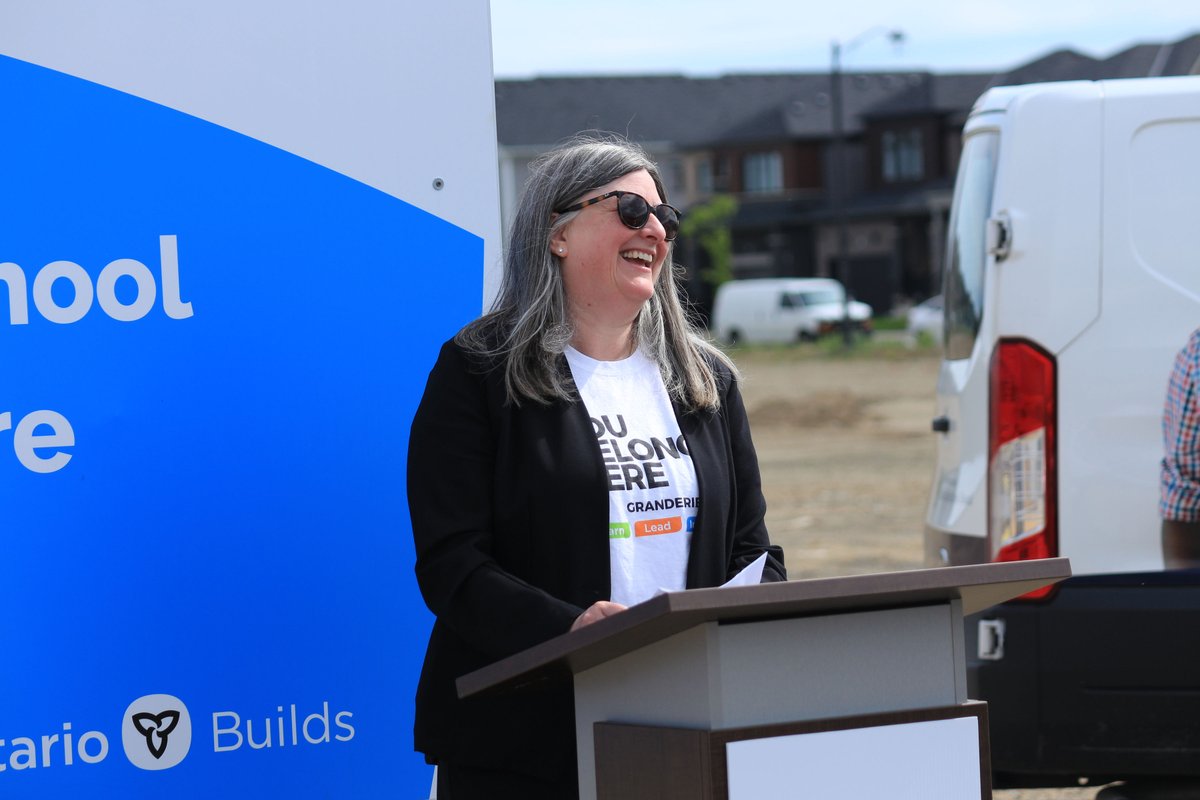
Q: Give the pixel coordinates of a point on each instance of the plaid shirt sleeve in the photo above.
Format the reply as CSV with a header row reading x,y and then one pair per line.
x,y
1180,482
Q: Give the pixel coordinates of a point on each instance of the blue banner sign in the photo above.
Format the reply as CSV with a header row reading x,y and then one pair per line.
x,y
210,353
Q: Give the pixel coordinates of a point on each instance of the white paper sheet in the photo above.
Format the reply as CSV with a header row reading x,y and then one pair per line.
x,y
750,574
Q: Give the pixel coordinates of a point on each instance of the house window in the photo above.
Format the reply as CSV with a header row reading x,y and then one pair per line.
x,y
903,156
762,172
704,176
672,172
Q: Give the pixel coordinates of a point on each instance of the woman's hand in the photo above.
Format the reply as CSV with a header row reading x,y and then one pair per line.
x,y
596,611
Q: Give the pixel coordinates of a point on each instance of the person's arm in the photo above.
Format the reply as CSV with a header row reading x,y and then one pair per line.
x,y
1181,544
750,530
1180,475
451,468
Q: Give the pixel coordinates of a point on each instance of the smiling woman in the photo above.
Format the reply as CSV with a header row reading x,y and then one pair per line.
x,y
611,257
551,435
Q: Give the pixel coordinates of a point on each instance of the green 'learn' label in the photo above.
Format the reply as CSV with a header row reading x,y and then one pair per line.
x,y
618,530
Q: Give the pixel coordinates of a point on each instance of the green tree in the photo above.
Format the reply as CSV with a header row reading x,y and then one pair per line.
x,y
708,224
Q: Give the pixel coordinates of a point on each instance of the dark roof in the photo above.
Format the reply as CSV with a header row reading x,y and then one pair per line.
x,y
1134,62
1139,61
732,109
544,111
746,109
936,94
1061,65
768,212
959,92
892,201
1183,57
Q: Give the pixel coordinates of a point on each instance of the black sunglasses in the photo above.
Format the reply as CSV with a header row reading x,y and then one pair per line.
x,y
634,210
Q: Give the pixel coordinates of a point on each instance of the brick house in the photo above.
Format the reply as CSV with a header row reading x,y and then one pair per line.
x,y
767,140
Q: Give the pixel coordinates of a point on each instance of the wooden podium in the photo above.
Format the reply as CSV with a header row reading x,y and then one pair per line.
x,y
663,689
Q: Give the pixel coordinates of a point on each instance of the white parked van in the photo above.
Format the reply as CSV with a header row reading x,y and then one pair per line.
x,y
1072,278
783,310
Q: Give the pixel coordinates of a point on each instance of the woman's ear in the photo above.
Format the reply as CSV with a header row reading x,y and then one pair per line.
x,y
558,242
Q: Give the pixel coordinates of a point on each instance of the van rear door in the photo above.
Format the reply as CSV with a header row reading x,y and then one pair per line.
x,y
1023,268
956,520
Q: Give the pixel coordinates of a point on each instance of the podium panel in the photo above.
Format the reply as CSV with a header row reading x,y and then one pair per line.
x,y
911,755
717,676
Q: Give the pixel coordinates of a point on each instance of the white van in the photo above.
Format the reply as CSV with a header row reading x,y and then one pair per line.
x,y
783,310
1072,278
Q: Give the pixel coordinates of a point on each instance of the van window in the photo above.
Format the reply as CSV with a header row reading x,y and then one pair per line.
x,y
966,250
812,298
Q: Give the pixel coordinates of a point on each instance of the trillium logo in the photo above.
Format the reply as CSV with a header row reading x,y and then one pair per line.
x,y
156,731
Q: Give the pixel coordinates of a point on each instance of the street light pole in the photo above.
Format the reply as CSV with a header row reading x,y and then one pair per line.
x,y
839,174
838,187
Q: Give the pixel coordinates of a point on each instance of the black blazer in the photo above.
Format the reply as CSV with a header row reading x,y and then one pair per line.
x,y
509,511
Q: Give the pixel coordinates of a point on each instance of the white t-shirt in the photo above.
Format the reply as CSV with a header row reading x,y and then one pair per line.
x,y
652,492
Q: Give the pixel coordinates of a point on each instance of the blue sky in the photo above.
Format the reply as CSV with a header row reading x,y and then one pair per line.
x,y
701,37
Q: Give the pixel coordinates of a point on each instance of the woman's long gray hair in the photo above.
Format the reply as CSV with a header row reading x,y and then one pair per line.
x,y
529,326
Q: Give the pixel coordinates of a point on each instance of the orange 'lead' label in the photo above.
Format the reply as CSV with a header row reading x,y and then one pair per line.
x,y
653,527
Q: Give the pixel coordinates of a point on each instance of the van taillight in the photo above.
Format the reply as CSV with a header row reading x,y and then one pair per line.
x,y
1022,475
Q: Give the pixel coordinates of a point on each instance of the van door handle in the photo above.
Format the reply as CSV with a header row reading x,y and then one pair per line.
x,y
941,425
998,235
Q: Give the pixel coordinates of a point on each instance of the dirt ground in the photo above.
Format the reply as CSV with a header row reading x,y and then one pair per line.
x,y
846,456
847,460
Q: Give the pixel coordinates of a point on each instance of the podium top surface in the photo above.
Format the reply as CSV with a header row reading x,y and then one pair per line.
x,y
978,586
